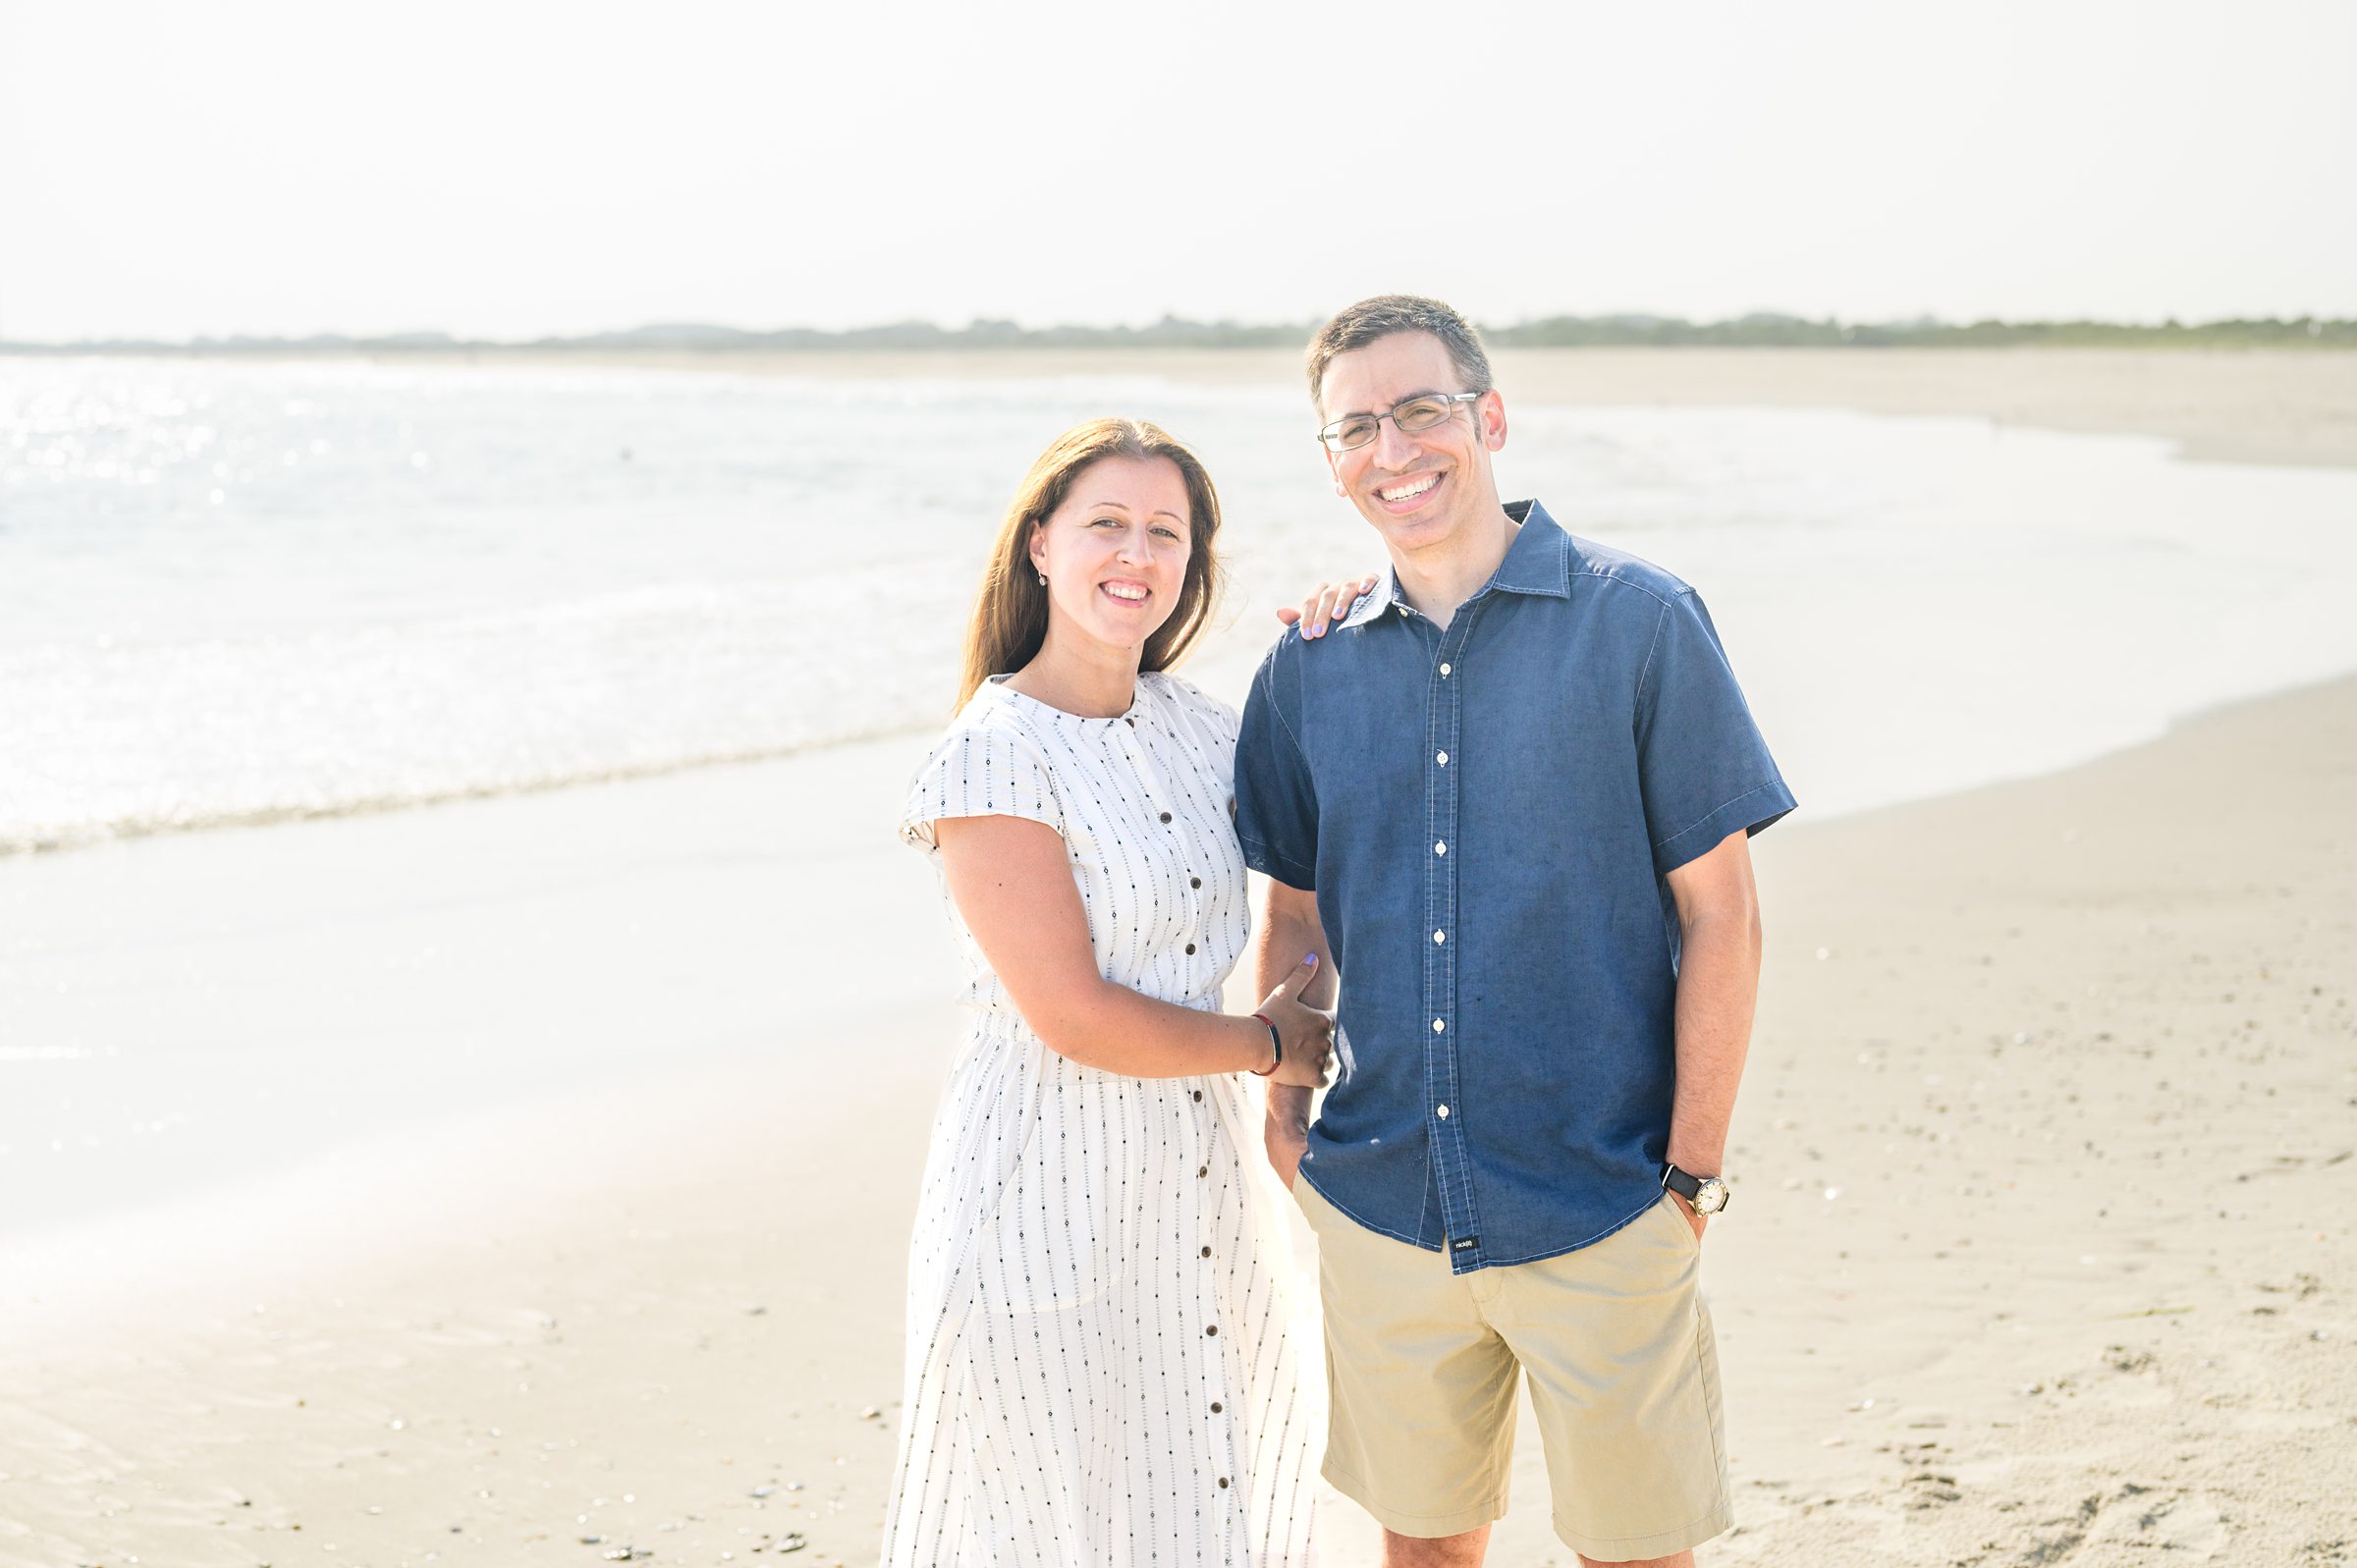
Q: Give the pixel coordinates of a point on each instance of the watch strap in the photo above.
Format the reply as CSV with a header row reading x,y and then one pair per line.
x,y
1688,1186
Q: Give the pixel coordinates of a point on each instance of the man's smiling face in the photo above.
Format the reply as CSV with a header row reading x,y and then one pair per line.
x,y
1419,487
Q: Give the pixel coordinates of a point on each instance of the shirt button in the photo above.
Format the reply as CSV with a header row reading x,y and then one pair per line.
x,y
1211,1328
1222,1482
1202,1171
1440,1026
1198,1096
1217,1407
1441,1112
1207,1253
1190,949
1444,671
1131,723
1194,881
1441,757
1440,936
1166,816
1441,848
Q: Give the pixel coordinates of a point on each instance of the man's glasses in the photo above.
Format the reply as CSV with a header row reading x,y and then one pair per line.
x,y
1419,412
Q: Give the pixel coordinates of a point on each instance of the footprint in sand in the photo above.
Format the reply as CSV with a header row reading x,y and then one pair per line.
x,y
2146,1519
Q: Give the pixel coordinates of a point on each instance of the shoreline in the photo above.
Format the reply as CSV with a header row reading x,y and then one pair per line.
x,y
2247,406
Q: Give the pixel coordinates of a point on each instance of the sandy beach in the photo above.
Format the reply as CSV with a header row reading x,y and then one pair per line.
x,y
2036,1255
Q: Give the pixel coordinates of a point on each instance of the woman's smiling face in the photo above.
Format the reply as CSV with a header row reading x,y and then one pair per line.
x,y
1114,553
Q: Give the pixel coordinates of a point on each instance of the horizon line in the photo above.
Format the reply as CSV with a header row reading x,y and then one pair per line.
x,y
1759,328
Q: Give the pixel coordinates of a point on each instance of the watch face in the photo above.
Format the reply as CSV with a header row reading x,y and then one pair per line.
x,y
1710,1195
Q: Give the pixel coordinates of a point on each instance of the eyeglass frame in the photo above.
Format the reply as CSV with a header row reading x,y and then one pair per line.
x,y
1327,431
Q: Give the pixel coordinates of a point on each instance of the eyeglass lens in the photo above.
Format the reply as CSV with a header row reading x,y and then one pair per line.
x,y
1420,414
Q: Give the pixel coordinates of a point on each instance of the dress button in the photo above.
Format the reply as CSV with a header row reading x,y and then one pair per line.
x,y
1166,816
1211,1328
1202,1171
1222,1482
1216,1407
1131,723
1194,881
1190,949
1207,1253
1198,1096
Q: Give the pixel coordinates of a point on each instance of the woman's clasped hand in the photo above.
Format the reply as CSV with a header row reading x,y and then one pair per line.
x,y
1307,1032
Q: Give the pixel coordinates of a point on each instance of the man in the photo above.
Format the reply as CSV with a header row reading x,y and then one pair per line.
x,y
1509,795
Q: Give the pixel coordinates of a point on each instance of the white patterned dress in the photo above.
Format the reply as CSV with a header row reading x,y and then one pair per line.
x,y
1103,1359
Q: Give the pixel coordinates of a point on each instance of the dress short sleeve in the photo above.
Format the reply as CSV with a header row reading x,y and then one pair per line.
x,y
979,771
1701,761
1226,720
1216,717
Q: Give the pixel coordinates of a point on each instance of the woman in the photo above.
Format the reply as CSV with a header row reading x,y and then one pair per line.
x,y
1098,1369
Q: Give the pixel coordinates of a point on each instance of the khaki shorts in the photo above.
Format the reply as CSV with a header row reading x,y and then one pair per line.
x,y
1614,1339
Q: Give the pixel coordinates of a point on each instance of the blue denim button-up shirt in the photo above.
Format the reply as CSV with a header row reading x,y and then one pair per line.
x,y
1488,814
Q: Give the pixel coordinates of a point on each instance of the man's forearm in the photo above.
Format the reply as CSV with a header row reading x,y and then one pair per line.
x,y
1284,939
1289,1115
1718,986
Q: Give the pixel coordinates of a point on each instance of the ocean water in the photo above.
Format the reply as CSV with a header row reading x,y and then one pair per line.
x,y
245,592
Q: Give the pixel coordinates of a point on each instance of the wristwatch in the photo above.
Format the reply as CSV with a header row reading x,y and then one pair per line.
x,y
1707,1194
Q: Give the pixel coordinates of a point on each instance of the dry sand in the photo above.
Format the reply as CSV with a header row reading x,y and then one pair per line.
x,y
2040,1251
2047,1133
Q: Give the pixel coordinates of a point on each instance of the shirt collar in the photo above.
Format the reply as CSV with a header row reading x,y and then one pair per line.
x,y
1537,561
1374,602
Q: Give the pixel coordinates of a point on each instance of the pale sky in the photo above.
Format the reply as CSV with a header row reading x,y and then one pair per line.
x,y
512,169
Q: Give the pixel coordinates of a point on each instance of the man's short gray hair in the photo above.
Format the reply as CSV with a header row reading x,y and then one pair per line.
x,y
1386,313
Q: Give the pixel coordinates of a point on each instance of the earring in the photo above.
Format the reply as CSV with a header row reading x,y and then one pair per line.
x,y
1043,579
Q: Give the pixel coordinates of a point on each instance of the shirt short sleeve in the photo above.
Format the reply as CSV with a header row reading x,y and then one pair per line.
x,y
1276,799
1702,763
979,771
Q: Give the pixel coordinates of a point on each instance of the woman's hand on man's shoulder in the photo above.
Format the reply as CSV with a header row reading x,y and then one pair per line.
x,y
1326,604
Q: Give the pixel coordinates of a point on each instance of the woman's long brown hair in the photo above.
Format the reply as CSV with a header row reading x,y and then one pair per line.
x,y
1010,613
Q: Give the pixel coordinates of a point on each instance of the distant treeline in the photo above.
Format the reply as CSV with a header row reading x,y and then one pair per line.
x,y
1760,331
1797,332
